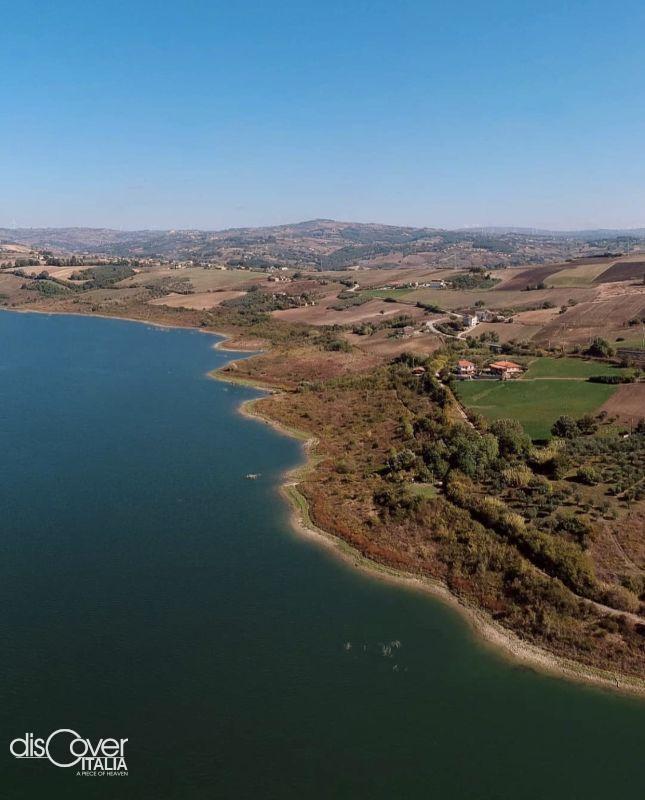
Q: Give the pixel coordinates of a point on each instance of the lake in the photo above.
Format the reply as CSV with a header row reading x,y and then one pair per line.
x,y
149,591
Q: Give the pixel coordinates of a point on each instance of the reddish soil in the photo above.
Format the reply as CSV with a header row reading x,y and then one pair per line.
x,y
622,271
533,276
627,403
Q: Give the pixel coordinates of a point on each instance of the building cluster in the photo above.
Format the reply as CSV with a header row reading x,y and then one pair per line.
x,y
504,370
472,318
432,284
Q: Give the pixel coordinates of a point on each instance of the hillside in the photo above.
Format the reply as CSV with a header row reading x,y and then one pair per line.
x,y
330,245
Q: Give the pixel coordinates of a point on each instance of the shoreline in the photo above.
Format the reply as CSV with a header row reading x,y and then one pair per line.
x,y
500,640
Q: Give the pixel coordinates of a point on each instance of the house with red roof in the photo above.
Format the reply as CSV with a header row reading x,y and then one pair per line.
x,y
506,369
465,368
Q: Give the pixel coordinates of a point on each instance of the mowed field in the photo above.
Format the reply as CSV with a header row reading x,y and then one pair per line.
x,y
568,368
583,275
535,403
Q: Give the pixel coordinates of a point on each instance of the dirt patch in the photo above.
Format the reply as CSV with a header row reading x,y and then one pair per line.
x,y
199,300
323,314
622,271
508,330
539,316
605,316
381,344
62,273
629,534
628,403
532,276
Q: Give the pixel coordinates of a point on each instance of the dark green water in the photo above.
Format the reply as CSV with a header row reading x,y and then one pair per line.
x,y
148,591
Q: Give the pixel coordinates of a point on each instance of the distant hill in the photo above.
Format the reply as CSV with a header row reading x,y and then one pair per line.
x,y
329,244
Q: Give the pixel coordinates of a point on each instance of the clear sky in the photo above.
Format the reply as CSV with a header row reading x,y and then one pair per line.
x,y
209,114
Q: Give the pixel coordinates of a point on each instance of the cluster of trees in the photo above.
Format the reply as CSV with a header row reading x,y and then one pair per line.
x,y
600,348
496,474
566,427
628,377
475,278
256,301
102,277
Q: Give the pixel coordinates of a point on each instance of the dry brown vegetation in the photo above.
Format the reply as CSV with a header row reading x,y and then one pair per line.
x,y
377,424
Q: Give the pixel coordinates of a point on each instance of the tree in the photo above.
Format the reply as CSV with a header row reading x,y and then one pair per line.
x,y
587,475
600,348
587,424
511,437
565,427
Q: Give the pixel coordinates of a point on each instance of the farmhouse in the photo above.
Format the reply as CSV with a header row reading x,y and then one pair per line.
x,y
470,320
466,368
506,369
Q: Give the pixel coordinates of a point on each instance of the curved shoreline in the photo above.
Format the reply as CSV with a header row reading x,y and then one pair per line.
x,y
503,641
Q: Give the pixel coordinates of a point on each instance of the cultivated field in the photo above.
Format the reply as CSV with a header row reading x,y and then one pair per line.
x,y
535,403
582,275
568,368
201,280
607,315
627,403
323,314
199,300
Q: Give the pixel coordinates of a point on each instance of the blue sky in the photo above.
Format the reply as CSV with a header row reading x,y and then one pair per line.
x,y
215,114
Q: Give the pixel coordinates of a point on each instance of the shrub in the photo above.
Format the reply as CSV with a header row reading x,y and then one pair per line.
x,y
587,475
565,427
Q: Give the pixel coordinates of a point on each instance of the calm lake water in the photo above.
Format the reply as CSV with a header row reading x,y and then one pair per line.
x,y
148,591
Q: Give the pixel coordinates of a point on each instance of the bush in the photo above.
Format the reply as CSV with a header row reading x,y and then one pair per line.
x,y
600,348
565,427
587,475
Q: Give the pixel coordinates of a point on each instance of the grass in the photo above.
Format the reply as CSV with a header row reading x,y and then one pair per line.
x,y
545,367
423,489
582,275
382,294
536,404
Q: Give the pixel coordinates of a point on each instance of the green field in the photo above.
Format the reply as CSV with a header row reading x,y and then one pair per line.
x,y
569,368
395,294
425,490
582,275
536,404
